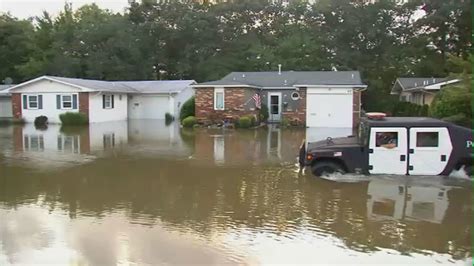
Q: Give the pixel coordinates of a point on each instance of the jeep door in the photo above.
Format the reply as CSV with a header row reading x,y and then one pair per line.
x,y
388,147
430,149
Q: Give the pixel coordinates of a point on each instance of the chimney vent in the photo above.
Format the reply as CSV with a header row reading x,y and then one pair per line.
x,y
279,69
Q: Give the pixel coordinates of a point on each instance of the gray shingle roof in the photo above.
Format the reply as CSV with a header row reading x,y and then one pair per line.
x,y
290,78
409,83
3,89
147,86
158,86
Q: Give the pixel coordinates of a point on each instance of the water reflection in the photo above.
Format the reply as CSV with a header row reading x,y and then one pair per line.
x,y
127,193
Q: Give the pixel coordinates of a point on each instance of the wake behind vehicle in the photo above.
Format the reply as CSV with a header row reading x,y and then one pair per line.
x,y
396,146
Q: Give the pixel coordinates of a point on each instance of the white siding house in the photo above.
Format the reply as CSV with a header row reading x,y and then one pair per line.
x,y
100,101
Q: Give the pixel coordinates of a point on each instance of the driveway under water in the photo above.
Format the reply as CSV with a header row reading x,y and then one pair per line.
x,y
142,192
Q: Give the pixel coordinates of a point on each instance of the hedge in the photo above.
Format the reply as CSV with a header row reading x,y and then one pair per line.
x,y
189,121
73,119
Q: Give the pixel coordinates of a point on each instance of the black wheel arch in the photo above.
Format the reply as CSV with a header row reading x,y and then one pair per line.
x,y
339,161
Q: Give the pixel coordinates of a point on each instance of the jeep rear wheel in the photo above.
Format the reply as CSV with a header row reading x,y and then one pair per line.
x,y
326,168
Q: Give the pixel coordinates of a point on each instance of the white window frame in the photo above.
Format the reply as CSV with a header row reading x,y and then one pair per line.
x,y
73,141
216,91
62,102
28,141
28,101
109,98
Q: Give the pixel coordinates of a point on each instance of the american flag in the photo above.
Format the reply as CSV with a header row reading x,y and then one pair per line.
x,y
258,100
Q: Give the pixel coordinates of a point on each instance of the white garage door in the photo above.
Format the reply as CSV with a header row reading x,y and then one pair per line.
x,y
149,107
6,107
329,109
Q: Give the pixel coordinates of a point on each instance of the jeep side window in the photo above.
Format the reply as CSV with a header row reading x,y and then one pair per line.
x,y
387,140
427,139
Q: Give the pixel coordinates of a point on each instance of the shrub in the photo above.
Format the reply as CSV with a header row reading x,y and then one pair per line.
x,y
73,119
263,115
245,122
285,122
253,120
189,121
168,118
187,109
41,121
409,109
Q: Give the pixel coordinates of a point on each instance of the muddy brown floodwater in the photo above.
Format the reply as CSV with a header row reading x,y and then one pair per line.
x,y
145,193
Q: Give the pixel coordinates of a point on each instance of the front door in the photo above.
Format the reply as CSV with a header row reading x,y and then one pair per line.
x,y
274,105
388,150
430,149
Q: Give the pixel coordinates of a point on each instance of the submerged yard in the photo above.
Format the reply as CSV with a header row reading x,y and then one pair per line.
x,y
142,192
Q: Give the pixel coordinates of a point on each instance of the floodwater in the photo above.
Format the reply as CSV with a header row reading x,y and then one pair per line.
x,y
140,192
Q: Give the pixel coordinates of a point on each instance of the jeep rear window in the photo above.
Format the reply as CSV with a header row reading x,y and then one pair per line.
x,y
427,139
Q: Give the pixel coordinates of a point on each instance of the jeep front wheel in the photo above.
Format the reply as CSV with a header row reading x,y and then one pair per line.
x,y
327,168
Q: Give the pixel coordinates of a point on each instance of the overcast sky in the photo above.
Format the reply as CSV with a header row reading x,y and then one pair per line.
x,y
30,8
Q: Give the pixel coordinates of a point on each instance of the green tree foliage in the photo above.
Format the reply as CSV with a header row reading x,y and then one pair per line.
x,y
188,40
188,108
453,103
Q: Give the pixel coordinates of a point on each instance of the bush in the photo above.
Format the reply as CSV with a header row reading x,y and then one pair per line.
x,y
168,118
187,109
409,109
41,122
245,122
253,120
285,122
263,115
189,121
73,119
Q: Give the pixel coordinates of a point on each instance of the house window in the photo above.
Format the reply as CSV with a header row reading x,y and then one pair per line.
x,y
68,144
219,149
219,99
427,139
32,101
109,140
108,102
33,143
66,101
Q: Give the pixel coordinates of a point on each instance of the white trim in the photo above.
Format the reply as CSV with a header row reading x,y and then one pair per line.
x,y
28,107
225,86
62,102
105,101
219,90
280,111
50,79
331,86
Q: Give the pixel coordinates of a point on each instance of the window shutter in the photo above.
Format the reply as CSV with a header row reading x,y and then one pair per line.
x,y
112,101
40,101
103,101
25,102
74,101
58,101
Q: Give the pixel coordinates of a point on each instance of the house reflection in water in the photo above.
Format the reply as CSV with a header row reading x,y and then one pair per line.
x,y
397,200
247,147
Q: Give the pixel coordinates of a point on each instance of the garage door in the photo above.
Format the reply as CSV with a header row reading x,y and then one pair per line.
x,y
5,107
329,110
148,107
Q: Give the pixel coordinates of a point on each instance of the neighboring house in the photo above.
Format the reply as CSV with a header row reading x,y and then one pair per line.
x,y
5,102
316,98
100,101
419,90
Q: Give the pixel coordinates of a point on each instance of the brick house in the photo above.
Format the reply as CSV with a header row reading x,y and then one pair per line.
x,y
314,98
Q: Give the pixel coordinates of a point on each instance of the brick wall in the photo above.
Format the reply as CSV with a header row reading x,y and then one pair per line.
x,y
84,103
356,108
16,105
298,113
235,100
